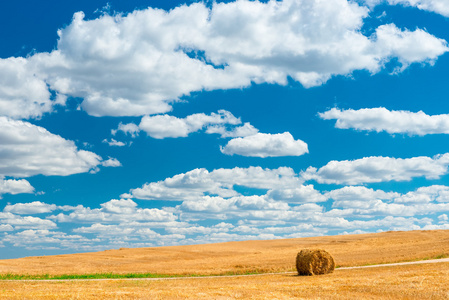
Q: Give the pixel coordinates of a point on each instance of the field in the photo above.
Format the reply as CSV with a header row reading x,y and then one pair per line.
x,y
426,281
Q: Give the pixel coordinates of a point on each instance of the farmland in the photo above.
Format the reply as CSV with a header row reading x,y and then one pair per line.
x,y
426,281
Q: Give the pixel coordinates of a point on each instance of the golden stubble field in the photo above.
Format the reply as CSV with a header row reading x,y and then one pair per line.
x,y
427,281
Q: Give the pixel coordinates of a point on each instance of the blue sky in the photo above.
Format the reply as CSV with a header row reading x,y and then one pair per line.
x,y
151,123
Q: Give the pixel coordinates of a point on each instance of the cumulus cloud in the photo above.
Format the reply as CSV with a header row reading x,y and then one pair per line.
x,y
35,207
113,142
437,6
372,208
125,206
361,193
127,234
130,128
190,185
395,42
422,195
114,211
25,222
301,194
6,227
241,131
378,169
22,93
140,63
111,162
166,126
122,223
266,145
359,197
12,186
38,239
28,150
220,182
163,126
233,205
443,218
223,123
382,119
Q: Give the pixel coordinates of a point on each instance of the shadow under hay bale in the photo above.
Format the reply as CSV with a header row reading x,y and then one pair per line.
x,y
314,262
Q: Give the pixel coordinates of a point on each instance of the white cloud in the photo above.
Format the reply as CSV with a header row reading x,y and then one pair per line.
x,y
241,131
395,42
128,234
439,193
35,207
359,197
301,194
39,239
123,210
6,227
101,229
436,227
122,223
129,128
437,6
235,206
12,186
443,218
208,204
22,94
360,193
191,230
113,142
19,222
257,177
372,208
140,63
28,150
163,126
257,203
353,201
190,185
379,169
200,182
309,209
266,145
387,223
382,119
111,162
123,206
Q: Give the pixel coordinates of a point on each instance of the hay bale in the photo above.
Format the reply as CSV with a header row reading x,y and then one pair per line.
x,y
314,262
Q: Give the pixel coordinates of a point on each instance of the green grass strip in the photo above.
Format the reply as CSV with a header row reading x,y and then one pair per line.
x,y
10,276
84,276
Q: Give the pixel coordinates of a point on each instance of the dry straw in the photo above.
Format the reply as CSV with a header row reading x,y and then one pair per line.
x,y
314,262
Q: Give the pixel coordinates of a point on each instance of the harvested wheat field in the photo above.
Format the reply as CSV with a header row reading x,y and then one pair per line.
x,y
428,281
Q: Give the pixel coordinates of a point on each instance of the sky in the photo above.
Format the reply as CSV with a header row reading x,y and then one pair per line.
x,y
155,123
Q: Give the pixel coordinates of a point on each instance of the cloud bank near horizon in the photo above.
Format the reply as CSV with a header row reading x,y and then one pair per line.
x,y
286,209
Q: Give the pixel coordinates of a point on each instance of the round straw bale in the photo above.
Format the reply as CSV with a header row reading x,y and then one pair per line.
x,y
314,262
